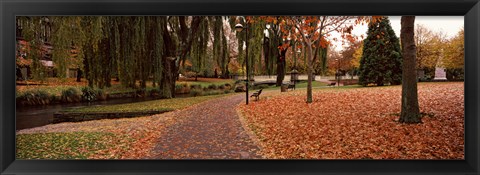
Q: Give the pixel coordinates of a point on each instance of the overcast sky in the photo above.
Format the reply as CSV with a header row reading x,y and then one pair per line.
x,y
450,25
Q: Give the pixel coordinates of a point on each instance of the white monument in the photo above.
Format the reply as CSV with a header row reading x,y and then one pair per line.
x,y
440,74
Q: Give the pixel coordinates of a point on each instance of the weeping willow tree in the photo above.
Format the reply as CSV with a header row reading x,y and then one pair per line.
x,y
275,50
33,34
131,48
225,57
221,52
156,48
217,41
178,42
92,48
240,36
255,37
67,36
64,34
142,58
198,52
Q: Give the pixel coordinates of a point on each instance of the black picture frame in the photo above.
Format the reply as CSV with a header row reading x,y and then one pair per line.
x,y
11,8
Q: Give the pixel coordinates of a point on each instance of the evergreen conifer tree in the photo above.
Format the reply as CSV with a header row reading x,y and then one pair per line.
x,y
381,61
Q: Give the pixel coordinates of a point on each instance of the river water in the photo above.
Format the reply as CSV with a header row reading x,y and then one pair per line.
x,y
35,116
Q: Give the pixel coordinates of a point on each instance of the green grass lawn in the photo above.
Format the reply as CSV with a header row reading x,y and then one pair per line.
x,y
114,89
315,84
75,145
83,145
154,105
206,84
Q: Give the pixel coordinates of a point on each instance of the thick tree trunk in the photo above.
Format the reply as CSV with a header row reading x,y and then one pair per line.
x,y
167,85
79,75
410,110
281,67
310,74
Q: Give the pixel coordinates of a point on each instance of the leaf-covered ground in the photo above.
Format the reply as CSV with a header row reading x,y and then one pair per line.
x,y
202,128
208,131
134,138
74,145
359,123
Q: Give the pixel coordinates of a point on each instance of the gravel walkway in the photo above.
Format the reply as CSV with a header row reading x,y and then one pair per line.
x,y
211,130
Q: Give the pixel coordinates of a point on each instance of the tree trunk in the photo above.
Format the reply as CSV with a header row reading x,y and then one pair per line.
x,y
310,74
281,67
167,85
79,75
410,110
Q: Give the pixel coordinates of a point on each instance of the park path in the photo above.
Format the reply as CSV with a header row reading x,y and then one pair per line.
x,y
211,130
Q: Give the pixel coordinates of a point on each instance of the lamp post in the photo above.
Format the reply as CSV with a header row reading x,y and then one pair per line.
x,y
295,71
298,54
266,41
239,27
337,73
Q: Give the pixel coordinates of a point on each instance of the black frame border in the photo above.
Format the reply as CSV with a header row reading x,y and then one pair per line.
x,y
11,8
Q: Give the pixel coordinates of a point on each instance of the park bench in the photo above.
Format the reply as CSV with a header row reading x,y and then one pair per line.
x,y
291,86
332,84
257,94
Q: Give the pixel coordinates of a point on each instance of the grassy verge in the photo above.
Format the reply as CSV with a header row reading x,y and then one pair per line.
x,y
53,91
76,145
154,105
315,84
205,83
100,145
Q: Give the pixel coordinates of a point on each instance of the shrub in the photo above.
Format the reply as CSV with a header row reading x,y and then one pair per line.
x,y
89,94
212,86
190,74
240,87
101,95
214,92
227,91
34,97
70,95
154,92
182,88
196,86
178,87
196,92
455,74
221,87
262,86
54,98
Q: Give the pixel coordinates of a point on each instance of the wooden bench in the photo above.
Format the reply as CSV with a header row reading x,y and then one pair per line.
x,y
332,84
291,86
257,94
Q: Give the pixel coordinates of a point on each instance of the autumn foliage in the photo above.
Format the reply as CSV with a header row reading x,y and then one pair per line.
x,y
359,123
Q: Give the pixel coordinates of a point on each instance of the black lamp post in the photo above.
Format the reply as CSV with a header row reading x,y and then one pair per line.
x,y
298,55
337,73
239,27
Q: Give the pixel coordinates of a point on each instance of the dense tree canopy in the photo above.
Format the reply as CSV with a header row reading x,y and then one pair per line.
x,y
140,49
381,58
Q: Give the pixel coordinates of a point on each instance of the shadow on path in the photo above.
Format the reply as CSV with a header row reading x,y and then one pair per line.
x,y
211,130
